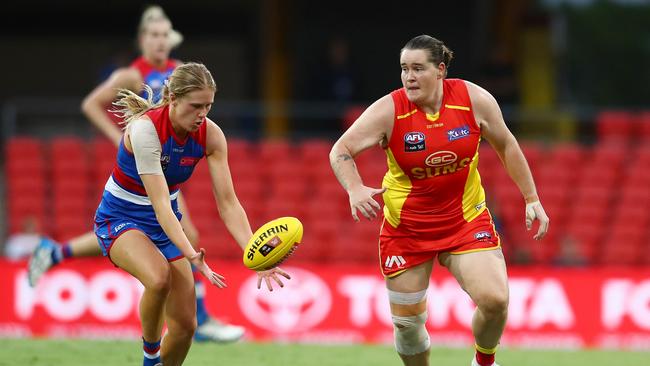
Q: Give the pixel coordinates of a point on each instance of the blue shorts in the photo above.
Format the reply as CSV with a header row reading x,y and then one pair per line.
x,y
114,217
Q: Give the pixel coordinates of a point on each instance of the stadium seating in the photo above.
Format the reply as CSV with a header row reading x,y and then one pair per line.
x,y
615,126
595,195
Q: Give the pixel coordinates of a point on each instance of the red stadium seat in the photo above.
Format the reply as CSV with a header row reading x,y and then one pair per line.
x,y
614,126
23,148
620,251
567,153
311,150
350,115
643,127
534,152
273,150
316,241
239,148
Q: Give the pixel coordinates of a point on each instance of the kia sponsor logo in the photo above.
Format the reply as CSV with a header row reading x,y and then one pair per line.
x,y
303,303
458,133
441,158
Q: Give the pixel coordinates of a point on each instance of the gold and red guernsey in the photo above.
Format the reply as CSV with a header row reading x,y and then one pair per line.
x,y
433,185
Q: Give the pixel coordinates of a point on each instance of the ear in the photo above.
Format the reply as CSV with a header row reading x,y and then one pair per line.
x,y
172,98
442,70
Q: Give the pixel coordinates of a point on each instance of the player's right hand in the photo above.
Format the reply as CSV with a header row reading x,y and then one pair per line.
x,y
361,200
198,260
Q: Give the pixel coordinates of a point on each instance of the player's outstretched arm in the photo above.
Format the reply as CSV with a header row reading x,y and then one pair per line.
x,y
368,130
230,209
494,130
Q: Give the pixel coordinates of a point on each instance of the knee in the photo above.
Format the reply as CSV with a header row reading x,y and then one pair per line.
x,y
183,327
160,282
493,304
411,336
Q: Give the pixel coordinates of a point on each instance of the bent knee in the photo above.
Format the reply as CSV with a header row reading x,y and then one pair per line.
x,y
411,336
160,282
493,303
183,326
409,317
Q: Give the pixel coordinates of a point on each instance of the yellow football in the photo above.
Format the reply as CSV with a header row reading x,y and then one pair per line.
x,y
272,243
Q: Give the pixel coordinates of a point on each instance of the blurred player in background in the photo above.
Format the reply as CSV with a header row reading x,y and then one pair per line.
x,y
434,204
156,39
138,218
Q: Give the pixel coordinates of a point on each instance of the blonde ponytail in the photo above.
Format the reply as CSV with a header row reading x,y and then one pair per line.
x,y
129,106
184,79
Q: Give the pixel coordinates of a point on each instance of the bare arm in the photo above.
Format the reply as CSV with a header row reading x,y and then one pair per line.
x,y
158,193
371,128
94,104
230,209
143,142
494,130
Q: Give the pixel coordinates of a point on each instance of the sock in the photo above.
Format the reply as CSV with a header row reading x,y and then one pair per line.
x,y
201,312
57,255
66,250
151,353
485,356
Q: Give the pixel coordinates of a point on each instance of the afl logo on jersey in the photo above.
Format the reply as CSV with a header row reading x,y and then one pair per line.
x,y
441,158
414,141
164,161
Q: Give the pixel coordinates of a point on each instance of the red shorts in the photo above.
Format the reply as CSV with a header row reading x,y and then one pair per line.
x,y
400,250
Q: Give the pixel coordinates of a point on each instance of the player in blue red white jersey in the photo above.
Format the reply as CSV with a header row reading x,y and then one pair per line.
x,y
137,222
156,39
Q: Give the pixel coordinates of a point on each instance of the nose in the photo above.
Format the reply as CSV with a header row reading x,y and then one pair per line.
x,y
203,112
410,75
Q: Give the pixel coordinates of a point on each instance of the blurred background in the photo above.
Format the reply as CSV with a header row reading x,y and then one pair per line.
x,y
571,78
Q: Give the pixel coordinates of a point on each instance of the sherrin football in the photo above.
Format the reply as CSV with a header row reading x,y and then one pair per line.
x,y
272,243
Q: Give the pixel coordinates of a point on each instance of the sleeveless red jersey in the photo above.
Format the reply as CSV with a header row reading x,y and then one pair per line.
x,y
153,76
433,185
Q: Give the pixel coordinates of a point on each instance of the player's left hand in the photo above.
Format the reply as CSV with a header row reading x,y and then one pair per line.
x,y
535,211
273,273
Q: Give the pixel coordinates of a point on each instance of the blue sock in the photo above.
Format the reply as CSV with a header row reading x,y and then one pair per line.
x,y
66,251
57,255
151,353
201,312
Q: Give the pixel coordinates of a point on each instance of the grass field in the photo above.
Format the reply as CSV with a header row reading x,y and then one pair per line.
x,y
100,353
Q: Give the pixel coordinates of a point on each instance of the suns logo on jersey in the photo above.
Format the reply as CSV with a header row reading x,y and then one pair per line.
x,y
440,163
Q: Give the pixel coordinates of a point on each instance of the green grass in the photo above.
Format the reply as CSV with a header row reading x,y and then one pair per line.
x,y
101,353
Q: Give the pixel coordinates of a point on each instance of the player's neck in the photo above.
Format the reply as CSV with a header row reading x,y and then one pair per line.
x,y
433,103
178,130
157,63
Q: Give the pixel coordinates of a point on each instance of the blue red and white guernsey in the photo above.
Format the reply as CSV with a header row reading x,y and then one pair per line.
x,y
434,201
125,205
154,76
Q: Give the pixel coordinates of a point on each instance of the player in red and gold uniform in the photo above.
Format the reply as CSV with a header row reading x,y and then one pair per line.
x,y
434,204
